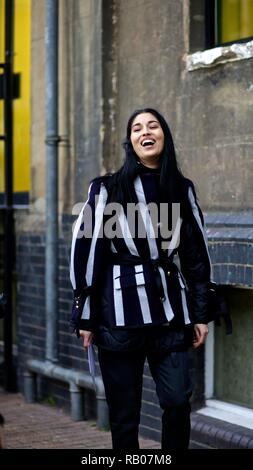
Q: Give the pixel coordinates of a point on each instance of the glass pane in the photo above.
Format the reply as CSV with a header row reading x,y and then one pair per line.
x,y
235,20
233,376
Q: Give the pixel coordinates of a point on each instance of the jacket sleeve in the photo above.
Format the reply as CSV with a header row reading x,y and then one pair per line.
x,y
87,255
195,260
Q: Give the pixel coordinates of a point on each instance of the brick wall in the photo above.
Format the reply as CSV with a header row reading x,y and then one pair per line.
x,y
230,241
31,314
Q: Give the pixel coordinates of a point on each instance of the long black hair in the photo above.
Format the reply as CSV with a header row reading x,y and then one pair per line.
x,y
173,185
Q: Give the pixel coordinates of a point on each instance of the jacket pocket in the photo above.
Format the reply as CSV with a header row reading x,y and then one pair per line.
x,y
131,280
120,340
130,291
169,341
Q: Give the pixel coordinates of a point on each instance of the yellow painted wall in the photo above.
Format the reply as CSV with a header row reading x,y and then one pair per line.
x,y
1,102
21,106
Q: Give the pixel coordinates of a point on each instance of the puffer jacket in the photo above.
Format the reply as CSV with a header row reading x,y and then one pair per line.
x,y
130,281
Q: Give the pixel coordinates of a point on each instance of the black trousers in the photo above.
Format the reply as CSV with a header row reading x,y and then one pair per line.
x,y
122,373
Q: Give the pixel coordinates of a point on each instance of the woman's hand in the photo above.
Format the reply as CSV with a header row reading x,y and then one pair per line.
x,y
201,332
87,337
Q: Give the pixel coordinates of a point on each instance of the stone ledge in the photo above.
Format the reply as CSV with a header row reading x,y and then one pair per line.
x,y
229,226
218,55
217,434
230,234
229,219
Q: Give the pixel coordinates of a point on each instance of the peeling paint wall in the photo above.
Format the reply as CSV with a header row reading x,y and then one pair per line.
x,y
110,83
209,111
149,50
116,56
215,132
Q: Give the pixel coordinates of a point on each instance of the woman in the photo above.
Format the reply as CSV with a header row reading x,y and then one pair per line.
x,y
131,297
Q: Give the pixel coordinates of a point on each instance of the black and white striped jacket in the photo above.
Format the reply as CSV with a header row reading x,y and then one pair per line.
x,y
123,295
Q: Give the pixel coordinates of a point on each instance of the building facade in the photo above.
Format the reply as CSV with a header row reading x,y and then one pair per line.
x,y
114,57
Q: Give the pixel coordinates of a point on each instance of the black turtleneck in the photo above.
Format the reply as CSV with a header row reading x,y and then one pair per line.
x,y
146,170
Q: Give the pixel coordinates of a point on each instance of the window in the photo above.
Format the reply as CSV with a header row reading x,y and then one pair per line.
x,y
220,22
232,361
229,21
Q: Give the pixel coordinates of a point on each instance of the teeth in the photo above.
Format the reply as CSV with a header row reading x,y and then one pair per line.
x,y
148,142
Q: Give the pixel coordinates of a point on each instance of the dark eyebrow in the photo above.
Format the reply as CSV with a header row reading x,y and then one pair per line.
x,y
149,122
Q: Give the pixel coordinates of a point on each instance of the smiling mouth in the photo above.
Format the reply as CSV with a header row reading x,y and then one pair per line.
x,y
148,143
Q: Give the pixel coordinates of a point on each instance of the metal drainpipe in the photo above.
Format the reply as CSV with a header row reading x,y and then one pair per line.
x,y
76,380
52,139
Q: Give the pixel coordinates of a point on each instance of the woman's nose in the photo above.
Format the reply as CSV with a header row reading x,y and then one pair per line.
x,y
145,131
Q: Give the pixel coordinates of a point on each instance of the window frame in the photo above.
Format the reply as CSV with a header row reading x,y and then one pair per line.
x,y
212,18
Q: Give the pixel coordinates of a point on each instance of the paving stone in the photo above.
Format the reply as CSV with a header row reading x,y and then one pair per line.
x,y
39,426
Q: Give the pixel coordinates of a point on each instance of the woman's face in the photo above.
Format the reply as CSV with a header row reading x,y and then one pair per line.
x,y
147,139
